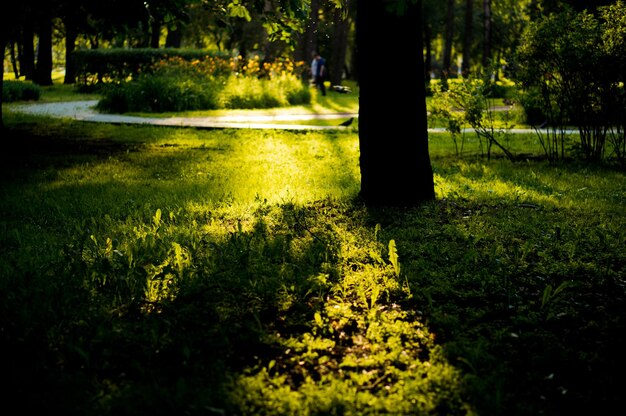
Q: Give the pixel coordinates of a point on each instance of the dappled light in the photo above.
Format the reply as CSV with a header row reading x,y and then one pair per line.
x,y
228,208
552,187
242,262
314,294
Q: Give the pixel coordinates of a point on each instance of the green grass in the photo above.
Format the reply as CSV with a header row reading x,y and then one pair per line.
x,y
178,271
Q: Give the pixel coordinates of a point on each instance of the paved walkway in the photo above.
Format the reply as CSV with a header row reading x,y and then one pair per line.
x,y
84,111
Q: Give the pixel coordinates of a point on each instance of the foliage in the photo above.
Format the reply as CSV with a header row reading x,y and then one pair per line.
x,y
212,83
572,64
469,102
251,92
19,91
95,66
171,271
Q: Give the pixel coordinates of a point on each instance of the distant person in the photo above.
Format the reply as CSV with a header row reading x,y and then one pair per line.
x,y
318,71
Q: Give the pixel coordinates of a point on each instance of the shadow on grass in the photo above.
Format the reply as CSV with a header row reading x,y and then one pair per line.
x,y
505,299
282,312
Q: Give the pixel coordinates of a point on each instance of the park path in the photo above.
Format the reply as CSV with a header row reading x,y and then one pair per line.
x,y
85,111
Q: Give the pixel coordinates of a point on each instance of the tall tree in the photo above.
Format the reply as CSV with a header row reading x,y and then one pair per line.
x,y
27,54
393,136
339,42
448,39
43,69
308,38
487,33
468,37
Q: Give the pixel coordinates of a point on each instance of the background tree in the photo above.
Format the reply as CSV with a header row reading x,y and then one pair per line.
x,y
448,39
342,24
468,32
487,34
568,61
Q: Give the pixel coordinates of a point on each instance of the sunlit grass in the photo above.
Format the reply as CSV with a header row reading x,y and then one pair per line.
x,y
241,262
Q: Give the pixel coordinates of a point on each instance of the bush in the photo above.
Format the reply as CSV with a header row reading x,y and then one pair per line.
x,y
19,91
573,63
251,92
179,85
97,66
159,93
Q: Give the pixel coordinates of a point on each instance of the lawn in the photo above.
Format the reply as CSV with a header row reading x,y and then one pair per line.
x,y
169,271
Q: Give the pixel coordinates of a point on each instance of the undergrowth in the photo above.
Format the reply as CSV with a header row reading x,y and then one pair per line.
x,y
164,271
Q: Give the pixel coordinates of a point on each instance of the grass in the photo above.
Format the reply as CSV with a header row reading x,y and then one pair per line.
x,y
167,271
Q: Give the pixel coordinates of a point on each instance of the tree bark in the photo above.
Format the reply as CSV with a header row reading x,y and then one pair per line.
x,y
155,32
309,38
487,34
428,61
70,45
174,37
340,45
27,57
449,38
43,69
467,37
16,70
393,136
4,39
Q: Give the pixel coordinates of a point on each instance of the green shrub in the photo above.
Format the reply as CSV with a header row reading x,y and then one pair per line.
x,y
251,92
19,91
178,85
96,66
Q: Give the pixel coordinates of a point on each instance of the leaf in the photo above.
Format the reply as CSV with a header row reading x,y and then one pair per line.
x,y
547,294
235,9
393,257
157,218
318,319
375,295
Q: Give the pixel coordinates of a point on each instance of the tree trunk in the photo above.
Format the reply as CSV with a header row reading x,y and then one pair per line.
x,y
16,70
174,37
449,38
393,136
467,37
4,37
339,47
27,57
487,36
43,69
155,32
70,46
428,61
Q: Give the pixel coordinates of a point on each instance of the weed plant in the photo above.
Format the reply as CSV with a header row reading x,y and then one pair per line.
x,y
176,271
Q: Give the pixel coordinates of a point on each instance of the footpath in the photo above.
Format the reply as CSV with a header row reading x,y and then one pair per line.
x,y
85,111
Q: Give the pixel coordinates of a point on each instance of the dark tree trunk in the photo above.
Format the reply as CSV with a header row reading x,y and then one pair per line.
x,y
309,39
43,69
393,136
339,47
449,39
467,37
307,42
428,60
174,37
16,70
4,36
155,32
487,34
27,57
70,46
